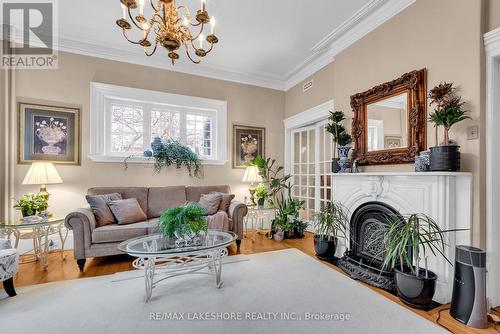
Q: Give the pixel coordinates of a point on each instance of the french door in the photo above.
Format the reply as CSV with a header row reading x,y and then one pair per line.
x,y
311,156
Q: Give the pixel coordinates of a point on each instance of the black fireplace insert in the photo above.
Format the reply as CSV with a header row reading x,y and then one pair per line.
x,y
365,257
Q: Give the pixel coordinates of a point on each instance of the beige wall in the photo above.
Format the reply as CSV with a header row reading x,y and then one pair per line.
x,y
70,85
449,46
493,14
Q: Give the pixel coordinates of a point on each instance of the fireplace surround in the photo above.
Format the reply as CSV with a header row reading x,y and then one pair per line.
x,y
365,257
445,196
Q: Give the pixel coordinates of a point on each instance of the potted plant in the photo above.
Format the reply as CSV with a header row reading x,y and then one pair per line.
x,y
341,139
186,223
31,204
330,223
286,222
409,241
261,194
449,110
172,153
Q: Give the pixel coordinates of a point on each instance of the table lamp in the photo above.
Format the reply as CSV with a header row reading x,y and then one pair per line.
x,y
251,176
42,173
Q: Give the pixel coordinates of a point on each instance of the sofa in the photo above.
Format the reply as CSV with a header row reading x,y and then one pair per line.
x,y
93,241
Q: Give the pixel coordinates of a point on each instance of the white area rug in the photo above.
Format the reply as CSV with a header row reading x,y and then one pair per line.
x,y
260,294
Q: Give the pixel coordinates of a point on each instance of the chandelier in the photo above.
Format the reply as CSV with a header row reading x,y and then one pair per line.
x,y
169,26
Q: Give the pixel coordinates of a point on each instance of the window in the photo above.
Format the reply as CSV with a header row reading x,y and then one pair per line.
x,y
126,120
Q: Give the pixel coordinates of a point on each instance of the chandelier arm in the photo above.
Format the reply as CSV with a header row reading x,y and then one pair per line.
x,y
133,20
211,47
153,6
187,14
153,51
189,56
131,41
198,35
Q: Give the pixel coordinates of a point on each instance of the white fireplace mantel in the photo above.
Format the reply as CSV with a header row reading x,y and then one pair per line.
x,y
445,196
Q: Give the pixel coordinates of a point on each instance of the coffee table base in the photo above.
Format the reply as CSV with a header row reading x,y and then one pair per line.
x,y
167,266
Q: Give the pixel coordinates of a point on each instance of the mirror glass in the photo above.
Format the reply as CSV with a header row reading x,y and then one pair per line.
x,y
388,123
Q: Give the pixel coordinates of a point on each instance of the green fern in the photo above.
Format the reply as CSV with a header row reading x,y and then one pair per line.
x,y
183,219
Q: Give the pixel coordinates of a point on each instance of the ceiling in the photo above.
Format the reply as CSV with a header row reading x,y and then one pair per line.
x,y
267,43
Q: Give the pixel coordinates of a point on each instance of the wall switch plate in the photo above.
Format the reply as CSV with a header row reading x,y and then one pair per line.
x,y
472,132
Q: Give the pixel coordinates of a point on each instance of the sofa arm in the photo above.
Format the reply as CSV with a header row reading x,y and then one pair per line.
x,y
82,222
237,212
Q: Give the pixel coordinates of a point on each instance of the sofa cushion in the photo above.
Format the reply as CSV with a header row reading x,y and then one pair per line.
x,y
193,194
162,198
139,193
225,202
119,233
210,202
100,208
127,211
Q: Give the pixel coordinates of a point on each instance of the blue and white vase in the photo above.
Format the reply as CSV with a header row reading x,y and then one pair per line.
x,y
156,145
344,158
422,162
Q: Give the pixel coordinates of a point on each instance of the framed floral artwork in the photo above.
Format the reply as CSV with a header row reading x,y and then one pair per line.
x,y
49,133
248,142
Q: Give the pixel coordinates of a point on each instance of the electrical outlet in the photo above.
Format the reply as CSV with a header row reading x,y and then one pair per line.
x,y
472,132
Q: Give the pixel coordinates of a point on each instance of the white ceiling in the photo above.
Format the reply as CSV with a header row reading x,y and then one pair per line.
x,y
271,43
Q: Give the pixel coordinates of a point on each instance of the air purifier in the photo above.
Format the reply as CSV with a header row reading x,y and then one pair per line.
x,y
468,303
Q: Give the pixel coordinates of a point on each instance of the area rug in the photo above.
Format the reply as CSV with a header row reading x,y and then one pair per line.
x,y
283,291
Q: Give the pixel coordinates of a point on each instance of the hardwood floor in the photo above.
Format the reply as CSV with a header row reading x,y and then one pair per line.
x,y
60,270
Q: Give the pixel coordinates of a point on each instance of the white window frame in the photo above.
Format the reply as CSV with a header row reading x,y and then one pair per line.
x,y
101,94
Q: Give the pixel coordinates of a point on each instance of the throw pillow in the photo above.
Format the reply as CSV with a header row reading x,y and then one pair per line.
x,y
210,202
127,211
99,206
225,202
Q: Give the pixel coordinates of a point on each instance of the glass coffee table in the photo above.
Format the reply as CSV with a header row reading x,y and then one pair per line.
x,y
160,259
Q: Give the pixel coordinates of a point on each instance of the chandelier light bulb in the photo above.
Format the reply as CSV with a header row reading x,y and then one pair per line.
x,y
141,7
200,39
203,4
212,25
124,11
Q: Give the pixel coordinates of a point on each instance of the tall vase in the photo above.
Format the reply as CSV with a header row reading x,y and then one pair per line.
x,y
344,158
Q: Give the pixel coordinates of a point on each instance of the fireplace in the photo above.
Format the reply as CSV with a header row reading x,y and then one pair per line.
x,y
365,257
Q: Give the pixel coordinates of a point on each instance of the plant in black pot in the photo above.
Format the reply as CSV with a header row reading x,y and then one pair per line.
x,y
410,240
449,110
330,223
31,204
341,140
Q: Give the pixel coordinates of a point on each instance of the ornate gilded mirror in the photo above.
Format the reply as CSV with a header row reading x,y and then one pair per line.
x,y
389,124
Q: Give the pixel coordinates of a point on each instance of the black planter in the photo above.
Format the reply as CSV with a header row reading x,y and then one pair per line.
x,y
445,158
335,165
261,201
325,246
416,291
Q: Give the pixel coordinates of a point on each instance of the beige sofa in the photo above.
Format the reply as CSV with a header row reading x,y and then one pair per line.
x,y
91,241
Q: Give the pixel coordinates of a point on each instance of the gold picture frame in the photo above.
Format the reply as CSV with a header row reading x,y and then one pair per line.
x,y
48,133
248,142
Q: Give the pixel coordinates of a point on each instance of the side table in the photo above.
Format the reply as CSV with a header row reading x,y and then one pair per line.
x,y
39,232
256,217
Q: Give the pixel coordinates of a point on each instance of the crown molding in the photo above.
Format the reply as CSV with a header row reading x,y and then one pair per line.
x,y
368,18
93,49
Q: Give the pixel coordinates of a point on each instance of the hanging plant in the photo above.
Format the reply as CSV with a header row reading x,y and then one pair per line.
x,y
173,153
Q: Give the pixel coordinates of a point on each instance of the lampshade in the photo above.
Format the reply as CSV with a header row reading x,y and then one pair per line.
x,y
252,175
42,173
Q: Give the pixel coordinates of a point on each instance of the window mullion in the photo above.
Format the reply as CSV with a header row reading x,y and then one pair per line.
x,y
183,126
146,126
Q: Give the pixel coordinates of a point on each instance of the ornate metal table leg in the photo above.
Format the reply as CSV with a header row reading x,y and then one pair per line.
x,y
63,240
217,256
44,251
149,273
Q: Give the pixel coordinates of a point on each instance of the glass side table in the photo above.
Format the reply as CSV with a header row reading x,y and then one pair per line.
x,y
39,232
256,217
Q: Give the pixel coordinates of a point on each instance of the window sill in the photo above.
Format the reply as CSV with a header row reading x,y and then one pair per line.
x,y
143,160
